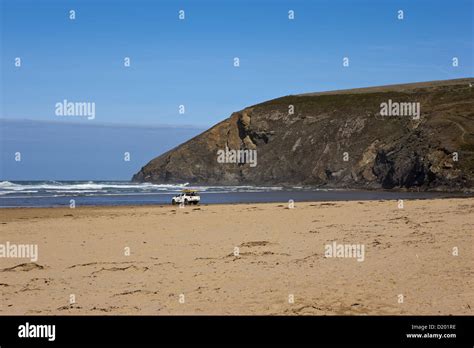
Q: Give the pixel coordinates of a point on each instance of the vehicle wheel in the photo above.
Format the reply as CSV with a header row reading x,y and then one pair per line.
x,y
173,202
185,202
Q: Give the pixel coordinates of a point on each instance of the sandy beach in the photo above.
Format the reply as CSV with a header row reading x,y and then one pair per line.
x,y
242,259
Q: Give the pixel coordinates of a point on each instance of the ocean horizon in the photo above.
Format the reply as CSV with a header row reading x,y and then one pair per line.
x,y
51,193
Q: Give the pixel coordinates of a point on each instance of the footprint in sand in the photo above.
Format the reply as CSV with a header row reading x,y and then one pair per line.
x,y
254,244
101,263
24,267
115,269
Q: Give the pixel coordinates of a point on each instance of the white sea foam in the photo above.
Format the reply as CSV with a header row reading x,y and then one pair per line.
x,y
56,188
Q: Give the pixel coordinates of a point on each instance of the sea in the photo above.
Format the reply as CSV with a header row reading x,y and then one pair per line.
x,y
116,193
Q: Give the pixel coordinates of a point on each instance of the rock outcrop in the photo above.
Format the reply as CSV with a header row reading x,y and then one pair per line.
x,y
338,139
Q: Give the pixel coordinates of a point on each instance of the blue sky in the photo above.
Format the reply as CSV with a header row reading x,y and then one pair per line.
x,y
86,151
190,62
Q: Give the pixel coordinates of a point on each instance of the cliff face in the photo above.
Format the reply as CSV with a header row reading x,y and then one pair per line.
x,y
338,139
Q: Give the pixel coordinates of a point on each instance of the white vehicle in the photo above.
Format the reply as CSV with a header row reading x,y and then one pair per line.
x,y
187,197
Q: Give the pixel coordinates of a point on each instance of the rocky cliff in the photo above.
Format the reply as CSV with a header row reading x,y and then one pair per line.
x,y
344,139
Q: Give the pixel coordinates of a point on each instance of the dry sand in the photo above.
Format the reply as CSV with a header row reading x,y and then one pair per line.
x,y
190,251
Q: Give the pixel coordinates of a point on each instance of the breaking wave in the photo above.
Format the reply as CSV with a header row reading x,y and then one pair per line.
x,y
91,188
